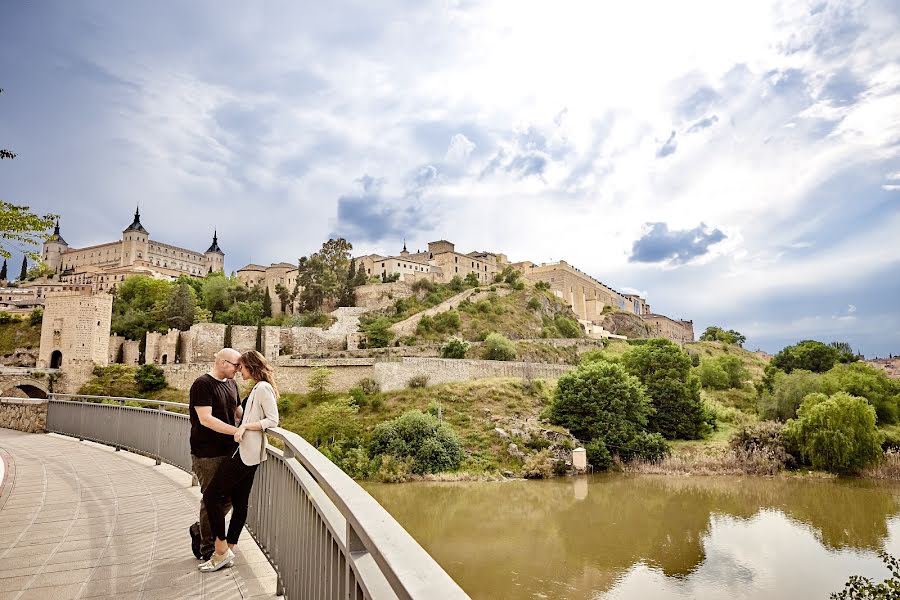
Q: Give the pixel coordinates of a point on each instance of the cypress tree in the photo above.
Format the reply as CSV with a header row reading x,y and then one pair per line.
x,y
3,270
24,273
227,342
267,304
259,344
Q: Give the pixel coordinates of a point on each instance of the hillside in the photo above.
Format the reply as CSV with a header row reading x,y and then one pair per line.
x,y
21,336
625,323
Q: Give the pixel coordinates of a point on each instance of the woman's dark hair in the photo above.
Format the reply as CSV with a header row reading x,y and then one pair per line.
x,y
259,368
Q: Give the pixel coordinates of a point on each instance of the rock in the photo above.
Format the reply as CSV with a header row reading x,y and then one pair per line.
x,y
517,432
513,450
508,474
500,432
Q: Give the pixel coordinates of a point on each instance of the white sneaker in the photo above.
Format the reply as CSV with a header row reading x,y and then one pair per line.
x,y
217,562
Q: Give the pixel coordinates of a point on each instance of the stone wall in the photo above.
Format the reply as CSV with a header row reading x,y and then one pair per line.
x,y
161,348
115,342
131,352
381,295
206,339
23,414
243,338
76,326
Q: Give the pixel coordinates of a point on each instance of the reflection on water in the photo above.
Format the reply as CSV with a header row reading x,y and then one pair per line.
x,y
626,536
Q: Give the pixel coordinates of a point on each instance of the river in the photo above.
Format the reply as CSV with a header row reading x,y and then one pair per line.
x,y
648,536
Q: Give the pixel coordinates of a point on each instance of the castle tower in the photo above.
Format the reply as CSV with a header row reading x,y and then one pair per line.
x,y
214,258
404,252
75,329
135,241
53,250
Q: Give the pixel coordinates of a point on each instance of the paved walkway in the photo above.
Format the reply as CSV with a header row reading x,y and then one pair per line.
x,y
79,520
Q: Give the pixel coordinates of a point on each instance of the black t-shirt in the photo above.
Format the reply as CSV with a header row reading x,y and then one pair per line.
x,y
223,397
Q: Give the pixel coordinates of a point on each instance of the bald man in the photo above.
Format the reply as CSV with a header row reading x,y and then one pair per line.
x,y
215,410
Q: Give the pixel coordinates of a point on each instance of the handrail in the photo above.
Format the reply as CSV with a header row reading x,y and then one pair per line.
x,y
323,533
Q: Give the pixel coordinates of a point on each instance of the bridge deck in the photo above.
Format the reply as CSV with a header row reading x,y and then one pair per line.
x,y
79,520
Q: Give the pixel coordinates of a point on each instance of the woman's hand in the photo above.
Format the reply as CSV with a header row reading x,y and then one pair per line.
x,y
239,434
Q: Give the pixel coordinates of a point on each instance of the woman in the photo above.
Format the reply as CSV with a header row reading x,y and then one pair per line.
x,y
234,479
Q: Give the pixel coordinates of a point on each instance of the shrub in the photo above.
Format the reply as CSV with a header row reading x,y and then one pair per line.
x,y
150,378
860,379
497,347
425,325
6,318
835,433
319,383
418,381
456,284
542,285
712,375
455,348
734,368
369,385
598,455
695,359
285,406
537,442
538,466
595,355
446,322
568,328
809,355
36,317
471,280
430,445
422,285
788,391
378,333
863,588
357,397
353,460
665,370
762,439
334,422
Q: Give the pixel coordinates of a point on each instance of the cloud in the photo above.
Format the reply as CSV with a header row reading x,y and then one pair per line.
x,y
667,148
659,244
530,163
703,124
372,215
460,148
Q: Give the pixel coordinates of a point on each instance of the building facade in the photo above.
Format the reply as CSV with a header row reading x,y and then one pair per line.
x,y
75,329
105,265
679,330
272,278
440,264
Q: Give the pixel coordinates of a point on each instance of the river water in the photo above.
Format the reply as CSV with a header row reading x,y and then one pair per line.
x,y
649,536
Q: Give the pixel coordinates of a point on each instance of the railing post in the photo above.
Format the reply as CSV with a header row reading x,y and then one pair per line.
x,y
81,410
159,412
119,417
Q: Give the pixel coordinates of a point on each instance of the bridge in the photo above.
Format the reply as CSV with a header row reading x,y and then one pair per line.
x,y
26,381
100,509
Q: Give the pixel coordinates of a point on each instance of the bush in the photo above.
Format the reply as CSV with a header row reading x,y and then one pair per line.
x,y
712,375
762,439
788,391
471,280
534,304
285,406
835,433
860,379
431,446
863,588
422,285
455,348
369,385
665,370
734,368
446,322
36,317
542,285
418,381
538,466
334,422
319,383
808,355
358,397
598,455
378,333
568,328
6,318
456,284
150,378
497,347
425,325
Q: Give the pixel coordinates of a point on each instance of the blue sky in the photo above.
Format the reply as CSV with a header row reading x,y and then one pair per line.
x,y
737,163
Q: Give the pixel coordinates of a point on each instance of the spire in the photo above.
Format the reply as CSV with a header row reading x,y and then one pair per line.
x,y
56,237
404,252
136,225
214,247
404,245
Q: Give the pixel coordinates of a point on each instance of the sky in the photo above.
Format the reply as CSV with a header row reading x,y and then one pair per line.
x,y
736,163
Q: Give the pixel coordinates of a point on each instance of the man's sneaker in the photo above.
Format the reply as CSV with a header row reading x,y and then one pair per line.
x,y
194,530
217,562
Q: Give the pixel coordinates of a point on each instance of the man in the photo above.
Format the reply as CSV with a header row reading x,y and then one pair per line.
x,y
215,409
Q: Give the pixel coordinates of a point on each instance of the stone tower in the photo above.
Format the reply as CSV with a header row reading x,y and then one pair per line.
x,y
135,241
75,329
53,250
214,258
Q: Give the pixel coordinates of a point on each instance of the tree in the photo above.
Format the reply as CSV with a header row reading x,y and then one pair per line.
x,y
334,422
259,338
24,274
378,332
353,279
267,305
139,306
717,334
319,383
665,370
471,279
835,433
809,355
322,276
455,348
845,352
150,378
497,347
181,307
284,296
432,446
864,381
788,392
3,271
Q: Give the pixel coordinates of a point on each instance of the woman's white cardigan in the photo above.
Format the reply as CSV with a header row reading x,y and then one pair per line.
x,y
262,407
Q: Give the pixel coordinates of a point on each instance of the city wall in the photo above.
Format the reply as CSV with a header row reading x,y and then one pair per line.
x,y
23,414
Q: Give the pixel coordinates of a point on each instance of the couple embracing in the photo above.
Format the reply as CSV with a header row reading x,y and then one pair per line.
x,y
228,443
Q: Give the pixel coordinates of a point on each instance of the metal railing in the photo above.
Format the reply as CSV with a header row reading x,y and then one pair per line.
x,y
325,536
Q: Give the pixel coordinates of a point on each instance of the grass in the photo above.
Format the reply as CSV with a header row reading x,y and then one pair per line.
x,y
118,381
18,334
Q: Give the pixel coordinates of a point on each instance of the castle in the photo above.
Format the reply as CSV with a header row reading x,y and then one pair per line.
x,y
103,266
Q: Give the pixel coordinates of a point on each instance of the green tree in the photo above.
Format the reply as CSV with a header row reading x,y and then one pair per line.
x,y
150,378
334,422
23,275
665,370
835,433
471,280
455,348
788,392
845,352
319,383
181,307
864,381
139,306
809,355
378,332
215,293
712,375
284,296
3,271
267,305
323,275
259,338
37,316
432,446
497,347
717,334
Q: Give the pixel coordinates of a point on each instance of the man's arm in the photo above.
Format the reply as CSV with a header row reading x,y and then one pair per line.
x,y
204,414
